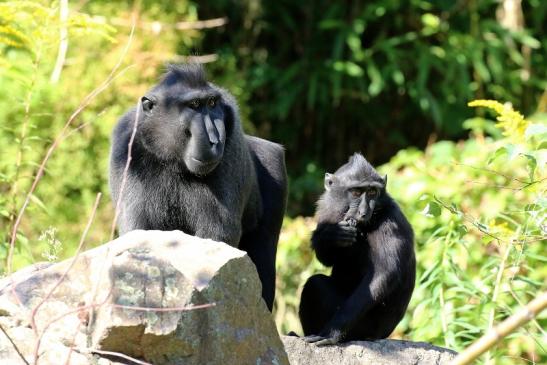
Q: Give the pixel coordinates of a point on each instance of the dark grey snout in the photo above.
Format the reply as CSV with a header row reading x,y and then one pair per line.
x,y
365,209
206,144
208,137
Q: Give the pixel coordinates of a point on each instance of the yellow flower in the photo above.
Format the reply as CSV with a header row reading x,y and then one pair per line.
x,y
511,122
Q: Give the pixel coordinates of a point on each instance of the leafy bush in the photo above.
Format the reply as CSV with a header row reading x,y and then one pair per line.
x,y
327,78
35,109
478,208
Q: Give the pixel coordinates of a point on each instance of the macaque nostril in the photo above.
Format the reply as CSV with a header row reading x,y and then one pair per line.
x,y
213,141
187,133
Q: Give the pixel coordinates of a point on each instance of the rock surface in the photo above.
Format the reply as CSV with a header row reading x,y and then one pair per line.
x,y
382,352
164,298
104,304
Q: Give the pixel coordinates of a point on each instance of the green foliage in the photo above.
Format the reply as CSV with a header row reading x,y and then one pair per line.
x,y
329,78
295,264
34,109
481,240
29,123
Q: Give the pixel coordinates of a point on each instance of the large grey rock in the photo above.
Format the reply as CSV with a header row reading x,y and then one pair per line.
x,y
382,352
147,269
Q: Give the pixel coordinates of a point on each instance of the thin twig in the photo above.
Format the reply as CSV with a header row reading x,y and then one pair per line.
x,y
72,262
24,129
166,309
63,43
62,277
157,27
469,219
72,311
82,126
107,251
483,344
494,186
103,302
125,171
14,345
60,137
71,349
87,100
495,294
526,183
205,58
444,322
112,353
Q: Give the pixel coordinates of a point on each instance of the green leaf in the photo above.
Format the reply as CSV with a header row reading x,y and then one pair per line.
x,y
423,200
481,68
512,151
431,20
22,239
376,81
38,202
432,209
486,239
462,229
331,24
527,40
354,42
354,69
532,207
398,77
483,227
532,164
359,26
499,152
3,251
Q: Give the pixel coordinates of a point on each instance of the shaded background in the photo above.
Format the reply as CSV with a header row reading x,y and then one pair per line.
x,y
391,79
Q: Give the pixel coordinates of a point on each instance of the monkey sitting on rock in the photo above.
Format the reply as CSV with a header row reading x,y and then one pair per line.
x,y
363,235
193,169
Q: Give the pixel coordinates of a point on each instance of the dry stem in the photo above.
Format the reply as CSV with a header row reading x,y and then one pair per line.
x,y
483,344
61,279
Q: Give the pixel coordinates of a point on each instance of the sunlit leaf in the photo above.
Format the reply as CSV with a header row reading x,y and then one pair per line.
x,y
432,209
354,69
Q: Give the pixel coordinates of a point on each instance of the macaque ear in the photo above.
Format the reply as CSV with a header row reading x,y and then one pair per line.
x,y
385,180
329,181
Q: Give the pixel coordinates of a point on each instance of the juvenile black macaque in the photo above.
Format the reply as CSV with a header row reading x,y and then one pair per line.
x,y
192,169
367,240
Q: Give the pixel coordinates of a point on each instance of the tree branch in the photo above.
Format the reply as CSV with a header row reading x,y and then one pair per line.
x,y
63,44
483,344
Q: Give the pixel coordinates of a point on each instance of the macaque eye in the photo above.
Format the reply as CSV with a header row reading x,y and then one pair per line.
x,y
371,192
147,104
212,102
194,104
355,193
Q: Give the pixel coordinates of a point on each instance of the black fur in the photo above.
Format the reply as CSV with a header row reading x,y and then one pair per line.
x,y
373,264
194,170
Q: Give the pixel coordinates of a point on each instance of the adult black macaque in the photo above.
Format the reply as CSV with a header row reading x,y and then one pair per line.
x,y
367,240
193,169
